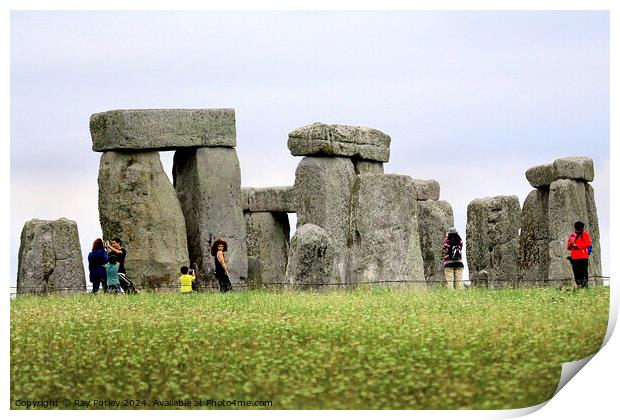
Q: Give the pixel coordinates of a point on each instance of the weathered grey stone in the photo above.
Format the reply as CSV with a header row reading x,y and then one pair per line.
x,y
595,268
367,167
320,139
268,245
534,238
567,204
492,241
162,129
384,225
579,168
541,175
426,189
50,258
138,204
323,197
311,259
434,220
208,185
272,199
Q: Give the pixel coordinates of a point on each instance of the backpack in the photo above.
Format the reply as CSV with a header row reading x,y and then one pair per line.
x,y
455,252
590,250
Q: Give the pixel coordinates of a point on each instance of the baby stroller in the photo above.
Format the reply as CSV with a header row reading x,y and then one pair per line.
x,y
126,284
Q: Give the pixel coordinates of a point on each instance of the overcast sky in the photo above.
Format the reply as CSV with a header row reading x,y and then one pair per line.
x,y
471,99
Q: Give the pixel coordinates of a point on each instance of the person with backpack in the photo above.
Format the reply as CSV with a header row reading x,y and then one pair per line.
x,y
580,246
452,259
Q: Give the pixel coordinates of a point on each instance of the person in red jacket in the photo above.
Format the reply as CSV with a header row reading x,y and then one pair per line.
x,y
579,243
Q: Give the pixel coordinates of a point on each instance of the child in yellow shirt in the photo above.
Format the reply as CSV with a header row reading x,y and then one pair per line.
x,y
187,279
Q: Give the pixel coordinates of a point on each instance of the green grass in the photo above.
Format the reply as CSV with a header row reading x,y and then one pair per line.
x,y
360,349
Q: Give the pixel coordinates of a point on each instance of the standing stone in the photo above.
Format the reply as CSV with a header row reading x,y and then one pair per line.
x,y
534,238
434,220
268,246
208,186
595,267
50,258
567,204
162,129
320,139
138,204
311,259
492,241
323,197
384,224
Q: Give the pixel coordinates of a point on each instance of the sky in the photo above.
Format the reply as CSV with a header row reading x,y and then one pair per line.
x,y
471,99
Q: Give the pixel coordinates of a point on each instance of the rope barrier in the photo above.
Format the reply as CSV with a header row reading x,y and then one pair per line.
x,y
517,282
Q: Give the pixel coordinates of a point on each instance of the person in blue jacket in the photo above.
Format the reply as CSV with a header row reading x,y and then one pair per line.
x,y
97,259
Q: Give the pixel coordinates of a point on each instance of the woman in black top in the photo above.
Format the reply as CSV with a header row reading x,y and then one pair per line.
x,y
221,269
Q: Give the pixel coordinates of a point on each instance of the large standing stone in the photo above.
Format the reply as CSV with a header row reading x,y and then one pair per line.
x,y
50,257
208,185
492,240
595,266
384,225
323,197
268,245
434,220
162,129
567,204
311,259
534,238
138,204
320,139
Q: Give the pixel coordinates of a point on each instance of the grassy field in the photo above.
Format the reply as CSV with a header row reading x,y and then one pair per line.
x,y
360,349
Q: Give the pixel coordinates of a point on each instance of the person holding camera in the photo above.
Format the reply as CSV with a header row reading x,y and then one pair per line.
x,y
580,245
115,247
188,276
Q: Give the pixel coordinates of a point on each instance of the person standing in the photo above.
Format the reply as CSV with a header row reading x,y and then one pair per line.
x,y
111,269
579,244
115,247
221,269
452,259
97,259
